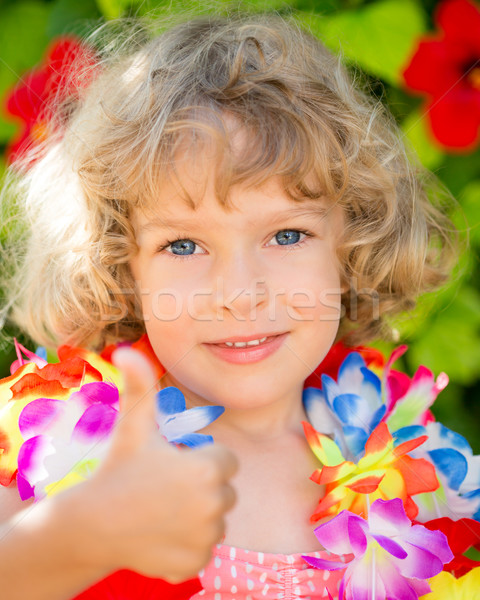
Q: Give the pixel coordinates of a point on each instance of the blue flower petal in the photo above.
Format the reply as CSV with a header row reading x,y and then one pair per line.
x,y
474,496
330,389
41,351
455,440
405,434
347,408
352,362
377,417
192,440
452,464
355,438
318,412
189,421
311,396
372,379
170,401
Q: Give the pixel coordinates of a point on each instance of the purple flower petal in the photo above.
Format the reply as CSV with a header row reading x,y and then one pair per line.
x,y
396,586
435,541
363,581
333,535
38,415
387,517
31,456
390,546
420,586
323,564
419,563
358,539
96,423
25,490
100,392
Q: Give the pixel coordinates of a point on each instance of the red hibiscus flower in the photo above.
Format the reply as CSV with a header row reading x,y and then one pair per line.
x,y
68,67
462,535
446,68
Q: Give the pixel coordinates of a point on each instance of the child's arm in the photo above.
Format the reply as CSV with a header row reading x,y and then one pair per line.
x,y
149,507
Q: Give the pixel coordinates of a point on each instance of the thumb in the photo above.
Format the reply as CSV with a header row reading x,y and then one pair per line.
x,y
136,420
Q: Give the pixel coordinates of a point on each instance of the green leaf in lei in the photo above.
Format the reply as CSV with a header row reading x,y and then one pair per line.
x,y
379,37
23,39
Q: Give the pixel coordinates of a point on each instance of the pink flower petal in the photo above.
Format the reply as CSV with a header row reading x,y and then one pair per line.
x,y
419,563
38,415
437,543
324,564
31,456
333,535
358,539
363,581
25,490
96,423
97,392
39,361
390,546
387,517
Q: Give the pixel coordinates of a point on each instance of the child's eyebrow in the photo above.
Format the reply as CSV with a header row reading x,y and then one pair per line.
x,y
307,209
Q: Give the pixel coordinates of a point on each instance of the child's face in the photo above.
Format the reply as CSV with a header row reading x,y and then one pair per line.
x,y
246,273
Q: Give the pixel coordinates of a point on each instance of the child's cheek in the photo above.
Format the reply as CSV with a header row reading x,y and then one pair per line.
x,y
311,305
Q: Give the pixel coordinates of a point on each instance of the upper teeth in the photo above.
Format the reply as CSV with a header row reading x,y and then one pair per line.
x,y
243,344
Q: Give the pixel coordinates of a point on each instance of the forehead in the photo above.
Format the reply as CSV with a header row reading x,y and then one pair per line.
x,y
221,153
249,205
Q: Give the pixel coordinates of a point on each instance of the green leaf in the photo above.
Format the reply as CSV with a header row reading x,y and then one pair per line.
x,y
71,16
113,9
415,130
459,170
451,342
379,37
468,218
23,38
7,129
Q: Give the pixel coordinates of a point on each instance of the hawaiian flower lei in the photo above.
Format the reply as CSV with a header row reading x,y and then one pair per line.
x,y
401,498
402,492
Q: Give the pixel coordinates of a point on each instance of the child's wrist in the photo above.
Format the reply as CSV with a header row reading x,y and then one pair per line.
x,y
78,531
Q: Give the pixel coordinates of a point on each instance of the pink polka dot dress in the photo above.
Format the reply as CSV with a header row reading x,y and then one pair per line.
x,y
237,574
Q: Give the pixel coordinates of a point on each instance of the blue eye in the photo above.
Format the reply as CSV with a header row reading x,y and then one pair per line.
x,y
288,236
182,247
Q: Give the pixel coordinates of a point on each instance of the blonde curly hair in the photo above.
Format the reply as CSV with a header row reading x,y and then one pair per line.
x,y
306,120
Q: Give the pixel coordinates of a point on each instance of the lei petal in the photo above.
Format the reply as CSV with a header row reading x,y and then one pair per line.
x,y
378,565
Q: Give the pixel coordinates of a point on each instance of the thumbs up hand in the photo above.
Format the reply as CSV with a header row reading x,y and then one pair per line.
x,y
157,510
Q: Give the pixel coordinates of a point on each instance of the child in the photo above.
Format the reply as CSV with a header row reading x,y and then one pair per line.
x,y
227,190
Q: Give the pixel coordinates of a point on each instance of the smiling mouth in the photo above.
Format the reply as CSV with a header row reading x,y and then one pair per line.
x,y
247,350
245,342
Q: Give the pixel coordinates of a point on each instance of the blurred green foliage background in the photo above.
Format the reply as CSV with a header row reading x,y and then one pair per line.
x,y
378,37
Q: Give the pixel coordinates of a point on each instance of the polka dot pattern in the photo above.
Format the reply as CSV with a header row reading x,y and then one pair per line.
x,y
237,574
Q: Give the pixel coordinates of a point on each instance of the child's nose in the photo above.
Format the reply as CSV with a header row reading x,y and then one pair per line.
x,y
240,286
